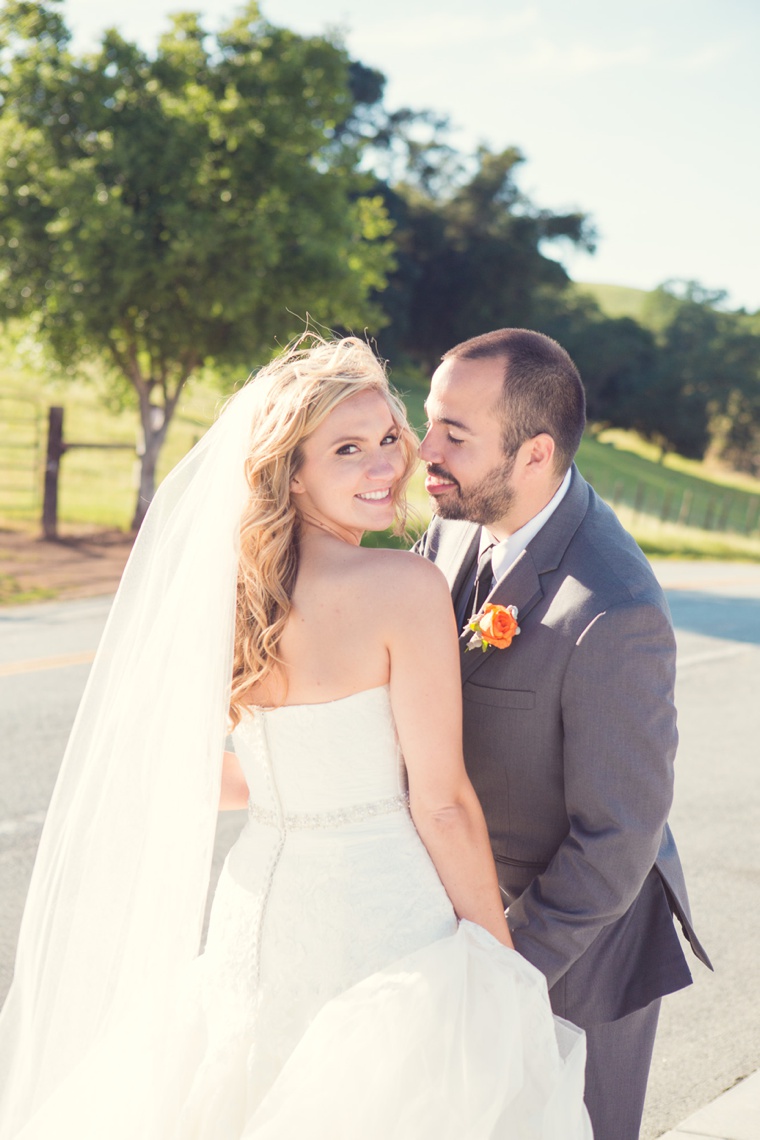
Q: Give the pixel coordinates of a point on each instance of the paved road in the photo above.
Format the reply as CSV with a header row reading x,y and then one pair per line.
x,y
710,1033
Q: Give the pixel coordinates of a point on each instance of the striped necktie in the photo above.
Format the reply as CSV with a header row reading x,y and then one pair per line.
x,y
483,581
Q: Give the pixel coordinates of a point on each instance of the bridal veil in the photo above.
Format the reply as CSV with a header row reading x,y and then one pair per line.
x,y
116,901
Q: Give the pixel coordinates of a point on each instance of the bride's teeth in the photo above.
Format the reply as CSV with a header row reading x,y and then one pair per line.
x,y
375,494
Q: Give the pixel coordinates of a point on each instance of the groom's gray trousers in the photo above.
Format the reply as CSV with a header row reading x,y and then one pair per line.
x,y
618,1056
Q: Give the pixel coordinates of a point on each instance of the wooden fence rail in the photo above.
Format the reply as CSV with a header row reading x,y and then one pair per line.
x,y
732,511
56,449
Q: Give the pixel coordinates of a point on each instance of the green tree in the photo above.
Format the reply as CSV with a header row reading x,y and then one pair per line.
x,y
707,362
470,252
736,433
616,356
162,211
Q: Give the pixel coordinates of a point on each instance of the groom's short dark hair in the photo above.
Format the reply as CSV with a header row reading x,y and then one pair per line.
x,y
542,389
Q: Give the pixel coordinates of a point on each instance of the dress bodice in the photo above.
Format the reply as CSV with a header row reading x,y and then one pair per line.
x,y
316,761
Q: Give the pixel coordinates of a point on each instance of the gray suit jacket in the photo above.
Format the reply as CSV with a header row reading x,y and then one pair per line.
x,y
569,739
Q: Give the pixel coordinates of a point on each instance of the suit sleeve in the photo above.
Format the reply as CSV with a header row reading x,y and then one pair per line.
x,y
620,740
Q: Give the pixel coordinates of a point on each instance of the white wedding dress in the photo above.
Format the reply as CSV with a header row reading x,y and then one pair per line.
x,y
337,997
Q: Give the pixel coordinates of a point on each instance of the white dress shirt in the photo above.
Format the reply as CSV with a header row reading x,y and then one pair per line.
x,y
506,552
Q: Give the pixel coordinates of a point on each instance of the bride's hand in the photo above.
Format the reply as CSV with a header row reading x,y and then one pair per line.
x,y
234,790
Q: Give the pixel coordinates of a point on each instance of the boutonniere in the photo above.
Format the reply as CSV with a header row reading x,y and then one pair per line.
x,y
494,625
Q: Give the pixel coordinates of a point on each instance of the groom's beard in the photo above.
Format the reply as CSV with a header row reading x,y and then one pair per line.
x,y
485,502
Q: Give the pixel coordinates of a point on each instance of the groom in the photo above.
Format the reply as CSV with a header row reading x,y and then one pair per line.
x,y
570,731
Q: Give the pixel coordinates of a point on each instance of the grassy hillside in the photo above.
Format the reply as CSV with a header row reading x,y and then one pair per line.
x,y
616,300
676,507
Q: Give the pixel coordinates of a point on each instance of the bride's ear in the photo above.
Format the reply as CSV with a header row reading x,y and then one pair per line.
x,y
296,486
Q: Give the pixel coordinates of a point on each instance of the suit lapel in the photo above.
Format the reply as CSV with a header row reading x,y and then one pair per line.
x,y
549,546
521,586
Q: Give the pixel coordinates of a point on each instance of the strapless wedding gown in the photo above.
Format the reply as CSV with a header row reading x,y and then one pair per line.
x,y
337,997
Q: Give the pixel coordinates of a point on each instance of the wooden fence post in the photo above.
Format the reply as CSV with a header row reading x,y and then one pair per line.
x,y
55,449
685,511
639,497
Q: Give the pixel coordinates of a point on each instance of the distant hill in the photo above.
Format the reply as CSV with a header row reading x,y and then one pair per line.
x,y
616,300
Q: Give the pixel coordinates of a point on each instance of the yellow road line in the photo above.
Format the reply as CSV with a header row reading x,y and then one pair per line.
x,y
38,664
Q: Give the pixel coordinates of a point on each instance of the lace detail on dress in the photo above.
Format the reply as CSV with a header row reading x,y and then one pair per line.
x,y
359,813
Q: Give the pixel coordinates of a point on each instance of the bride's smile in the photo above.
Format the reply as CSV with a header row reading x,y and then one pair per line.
x,y
352,466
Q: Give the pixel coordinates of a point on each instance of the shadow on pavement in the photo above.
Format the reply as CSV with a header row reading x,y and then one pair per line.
x,y
727,618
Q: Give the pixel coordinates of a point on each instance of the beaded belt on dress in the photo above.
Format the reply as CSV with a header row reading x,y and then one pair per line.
x,y
356,813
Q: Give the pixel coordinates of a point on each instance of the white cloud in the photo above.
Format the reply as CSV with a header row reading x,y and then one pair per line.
x,y
706,58
442,31
515,43
560,60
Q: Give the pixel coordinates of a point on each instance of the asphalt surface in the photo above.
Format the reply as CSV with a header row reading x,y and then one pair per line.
x,y
709,1033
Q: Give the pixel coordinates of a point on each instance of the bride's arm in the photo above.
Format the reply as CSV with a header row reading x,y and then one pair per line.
x,y
234,790
426,696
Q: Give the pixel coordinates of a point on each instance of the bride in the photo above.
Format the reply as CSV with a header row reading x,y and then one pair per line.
x,y
358,978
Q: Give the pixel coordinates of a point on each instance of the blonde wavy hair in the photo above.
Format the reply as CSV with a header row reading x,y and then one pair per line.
x,y
296,393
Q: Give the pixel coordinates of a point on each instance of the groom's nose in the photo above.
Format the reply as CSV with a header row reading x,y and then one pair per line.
x,y
429,451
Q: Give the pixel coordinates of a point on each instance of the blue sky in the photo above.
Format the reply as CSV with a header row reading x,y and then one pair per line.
x,y
645,115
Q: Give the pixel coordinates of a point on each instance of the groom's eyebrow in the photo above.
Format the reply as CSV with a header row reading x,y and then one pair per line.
x,y
447,420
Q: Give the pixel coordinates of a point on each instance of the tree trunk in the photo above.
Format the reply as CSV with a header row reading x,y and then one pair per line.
x,y
154,434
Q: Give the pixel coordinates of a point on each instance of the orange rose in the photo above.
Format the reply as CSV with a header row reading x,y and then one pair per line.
x,y
495,625
498,625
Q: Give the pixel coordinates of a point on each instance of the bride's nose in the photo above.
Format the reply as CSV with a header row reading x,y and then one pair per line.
x,y
380,467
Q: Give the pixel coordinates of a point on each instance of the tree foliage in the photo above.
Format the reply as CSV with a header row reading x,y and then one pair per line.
x,y
470,252
170,209
687,378
616,356
706,368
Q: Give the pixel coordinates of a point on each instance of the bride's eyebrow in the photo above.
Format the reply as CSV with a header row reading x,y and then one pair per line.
x,y
362,438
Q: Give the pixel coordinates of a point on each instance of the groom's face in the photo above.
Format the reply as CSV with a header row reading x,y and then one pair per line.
x,y
469,476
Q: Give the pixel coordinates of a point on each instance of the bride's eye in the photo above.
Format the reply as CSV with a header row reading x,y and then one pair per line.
x,y
347,449
391,437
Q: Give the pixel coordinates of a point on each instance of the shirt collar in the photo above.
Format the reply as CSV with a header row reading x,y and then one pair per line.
x,y
509,549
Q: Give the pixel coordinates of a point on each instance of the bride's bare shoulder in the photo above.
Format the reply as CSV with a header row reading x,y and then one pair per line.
x,y
405,577
375,582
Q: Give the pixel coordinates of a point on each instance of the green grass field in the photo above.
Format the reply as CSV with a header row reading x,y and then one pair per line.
x,y
616,300
676,507
97,488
